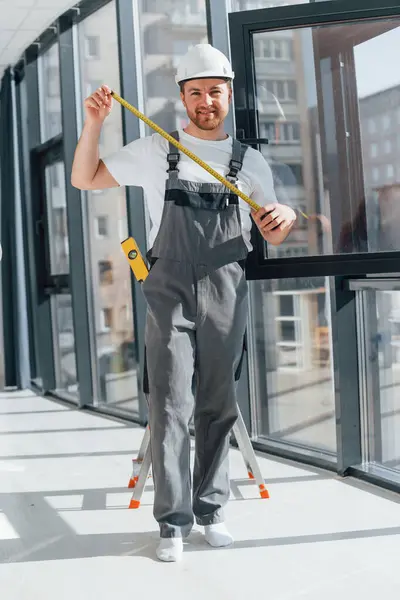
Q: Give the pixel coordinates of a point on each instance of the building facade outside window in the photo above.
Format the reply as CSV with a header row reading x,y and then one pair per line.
x,y
115,343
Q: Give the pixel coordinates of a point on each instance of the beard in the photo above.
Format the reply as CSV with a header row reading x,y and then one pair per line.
x,y
206,120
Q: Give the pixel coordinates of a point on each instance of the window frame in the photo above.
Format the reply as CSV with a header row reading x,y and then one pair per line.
x,y
98,234
243,26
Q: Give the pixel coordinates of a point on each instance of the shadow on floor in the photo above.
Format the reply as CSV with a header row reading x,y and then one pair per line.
x,y
44,535
65,547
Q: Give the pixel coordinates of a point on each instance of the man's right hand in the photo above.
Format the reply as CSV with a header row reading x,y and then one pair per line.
x,y
98,105
88,171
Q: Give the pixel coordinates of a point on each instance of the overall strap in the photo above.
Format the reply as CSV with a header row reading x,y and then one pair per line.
x,y
173,157
236,162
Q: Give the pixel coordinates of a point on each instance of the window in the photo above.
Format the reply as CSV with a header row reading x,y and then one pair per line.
x,y
49,93
54,176
290,112
386,122
293,132
64,344
179,25
106,319
259,49
276,49
291,93
293,361
284,90
297,171
273,49
281,133
54,123
92,46
53,82
389,170
379,342
286,305
56,208
388,146
352,205
113,337
105,272
267,130
371,126
101,226
280,90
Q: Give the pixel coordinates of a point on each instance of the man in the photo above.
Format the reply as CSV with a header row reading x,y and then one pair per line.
x,y
196,291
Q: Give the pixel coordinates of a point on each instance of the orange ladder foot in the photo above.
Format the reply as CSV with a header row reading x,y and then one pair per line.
x,y
263,491
134,504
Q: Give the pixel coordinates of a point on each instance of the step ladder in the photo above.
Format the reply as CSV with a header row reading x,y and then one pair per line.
x,y
142,463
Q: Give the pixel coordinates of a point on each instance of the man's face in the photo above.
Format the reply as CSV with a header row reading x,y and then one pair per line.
x,y
206,102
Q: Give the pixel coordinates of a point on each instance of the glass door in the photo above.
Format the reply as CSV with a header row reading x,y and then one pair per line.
x,y
311,96
54,267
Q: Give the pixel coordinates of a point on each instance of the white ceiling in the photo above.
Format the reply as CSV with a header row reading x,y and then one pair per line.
x,y
22,21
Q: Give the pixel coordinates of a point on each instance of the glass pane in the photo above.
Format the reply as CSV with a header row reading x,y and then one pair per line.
x,y
238,5
64,345
293,361
379,101
169,29
381,324
112,310
56,206
50,94
331,115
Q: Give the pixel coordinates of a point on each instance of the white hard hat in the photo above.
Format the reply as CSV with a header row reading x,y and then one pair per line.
x,y
203,61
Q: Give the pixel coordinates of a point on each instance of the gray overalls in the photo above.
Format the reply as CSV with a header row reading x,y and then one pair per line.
x,y
196,295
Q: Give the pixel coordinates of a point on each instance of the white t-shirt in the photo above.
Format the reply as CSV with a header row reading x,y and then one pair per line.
x,y
143,163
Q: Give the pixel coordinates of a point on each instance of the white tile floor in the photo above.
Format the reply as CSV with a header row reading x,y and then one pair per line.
x,y
66,534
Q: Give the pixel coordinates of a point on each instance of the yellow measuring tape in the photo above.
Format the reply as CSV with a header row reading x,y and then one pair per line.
x,y
188,153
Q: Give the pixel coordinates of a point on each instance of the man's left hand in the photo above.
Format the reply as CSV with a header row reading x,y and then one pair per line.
x,y
274,222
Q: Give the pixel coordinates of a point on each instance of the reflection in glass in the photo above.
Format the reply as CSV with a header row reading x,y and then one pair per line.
x,y
112,310
282,118
330,113
379,101
50,94
239,5
64,344
293,361
57,218
380,321
168,28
